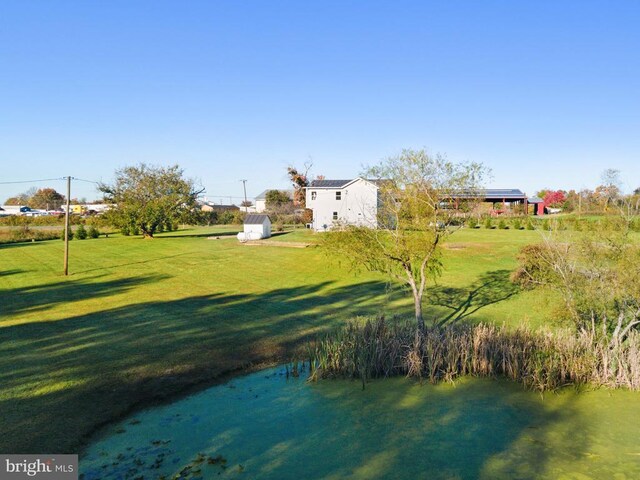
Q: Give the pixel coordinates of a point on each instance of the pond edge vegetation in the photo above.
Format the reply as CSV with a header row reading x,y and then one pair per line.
x,y
539,360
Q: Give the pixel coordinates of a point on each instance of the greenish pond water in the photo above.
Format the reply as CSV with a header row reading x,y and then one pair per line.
x,y
268,426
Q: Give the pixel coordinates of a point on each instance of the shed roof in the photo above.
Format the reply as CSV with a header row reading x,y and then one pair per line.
x,y
492,194
535,200
256,219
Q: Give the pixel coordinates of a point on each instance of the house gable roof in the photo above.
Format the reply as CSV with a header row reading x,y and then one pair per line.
x,y
330,183
342,183
256,219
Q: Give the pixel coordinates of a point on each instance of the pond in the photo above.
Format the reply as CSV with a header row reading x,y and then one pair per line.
x,y
271,426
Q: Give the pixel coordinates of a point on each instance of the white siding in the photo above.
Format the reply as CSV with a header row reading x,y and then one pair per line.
x,y
357,205
261,231
261,206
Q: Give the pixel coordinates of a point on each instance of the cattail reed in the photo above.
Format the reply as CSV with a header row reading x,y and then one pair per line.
x,y
540,360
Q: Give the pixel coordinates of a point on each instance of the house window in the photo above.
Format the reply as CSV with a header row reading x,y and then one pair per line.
x,y
338,195
314,195
335,215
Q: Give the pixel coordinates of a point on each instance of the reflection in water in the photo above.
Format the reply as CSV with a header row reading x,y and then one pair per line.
x,y
267,426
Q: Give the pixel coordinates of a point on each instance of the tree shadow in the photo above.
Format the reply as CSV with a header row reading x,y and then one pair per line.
x,y
15,271
490,288
288,429
128,264
63,379
43,297
477,429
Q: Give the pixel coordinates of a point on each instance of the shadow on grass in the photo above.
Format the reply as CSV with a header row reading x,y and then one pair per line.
x,y
490,288
42,297
61,379
6,273
128,264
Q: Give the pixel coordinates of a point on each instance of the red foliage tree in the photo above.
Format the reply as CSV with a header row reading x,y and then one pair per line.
x,y
554,198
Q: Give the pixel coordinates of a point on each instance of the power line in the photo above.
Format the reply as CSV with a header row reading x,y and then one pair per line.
x,y
82,180
33,181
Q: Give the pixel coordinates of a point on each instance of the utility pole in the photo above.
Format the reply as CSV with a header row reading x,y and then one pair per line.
x,y
246,204
66,228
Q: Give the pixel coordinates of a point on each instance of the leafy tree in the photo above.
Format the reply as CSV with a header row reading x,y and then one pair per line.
x,y
46,198
147,198
276,199
598,276
415,214
554,198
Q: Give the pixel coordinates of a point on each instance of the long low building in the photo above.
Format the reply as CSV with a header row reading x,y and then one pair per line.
x,y
356,201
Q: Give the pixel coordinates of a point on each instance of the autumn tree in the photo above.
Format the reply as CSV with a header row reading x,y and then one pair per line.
x,y
415,215
46,198
149,198
300,181
554,198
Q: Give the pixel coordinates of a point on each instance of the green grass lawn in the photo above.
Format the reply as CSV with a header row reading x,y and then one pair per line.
x,y
139,320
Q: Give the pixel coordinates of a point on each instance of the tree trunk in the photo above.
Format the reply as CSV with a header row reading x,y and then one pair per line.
x,y
417,300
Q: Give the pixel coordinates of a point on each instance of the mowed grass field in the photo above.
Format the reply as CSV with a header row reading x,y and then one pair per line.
x,y
143,320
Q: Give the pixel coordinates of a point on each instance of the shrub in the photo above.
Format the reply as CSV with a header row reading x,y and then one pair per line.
x,y
93,232
472,223
225,218
71,235
81,232
502,225
530,225
517,224
488,223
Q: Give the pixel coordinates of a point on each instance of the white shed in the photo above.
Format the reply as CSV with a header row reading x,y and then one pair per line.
x,y
256,226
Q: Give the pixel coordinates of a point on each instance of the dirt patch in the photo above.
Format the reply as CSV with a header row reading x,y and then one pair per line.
x,y
274,243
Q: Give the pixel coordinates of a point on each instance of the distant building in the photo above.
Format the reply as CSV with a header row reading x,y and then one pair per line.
x,y
345,202
14,210
213,207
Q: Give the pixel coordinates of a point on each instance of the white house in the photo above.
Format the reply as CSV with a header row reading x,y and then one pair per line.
x,y
261,200
347,202
256,226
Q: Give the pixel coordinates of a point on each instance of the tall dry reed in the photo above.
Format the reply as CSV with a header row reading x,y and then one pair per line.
x,y
539,360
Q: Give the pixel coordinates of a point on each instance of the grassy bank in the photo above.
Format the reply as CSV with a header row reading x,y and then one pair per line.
x,y
141,319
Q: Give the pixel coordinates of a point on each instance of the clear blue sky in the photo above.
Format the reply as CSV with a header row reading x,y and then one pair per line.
x,y
545,93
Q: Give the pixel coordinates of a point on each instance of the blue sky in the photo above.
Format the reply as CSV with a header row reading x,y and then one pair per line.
x,y
545,93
